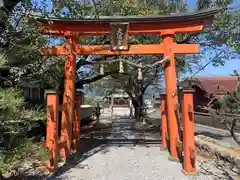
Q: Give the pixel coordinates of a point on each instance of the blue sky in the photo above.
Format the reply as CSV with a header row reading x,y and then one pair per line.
x,y
191,3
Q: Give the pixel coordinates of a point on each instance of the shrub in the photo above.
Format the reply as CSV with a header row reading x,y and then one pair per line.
x,y
15,122
88,100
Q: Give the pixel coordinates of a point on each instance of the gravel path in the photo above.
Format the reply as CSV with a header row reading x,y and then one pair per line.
x,y
134,162
125,163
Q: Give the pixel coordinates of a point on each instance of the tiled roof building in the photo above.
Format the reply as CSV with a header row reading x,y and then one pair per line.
x,y
207,87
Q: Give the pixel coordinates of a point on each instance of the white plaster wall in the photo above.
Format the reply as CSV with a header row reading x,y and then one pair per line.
x,y
121,111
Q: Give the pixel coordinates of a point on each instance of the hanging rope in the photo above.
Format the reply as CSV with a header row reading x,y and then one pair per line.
x,y
101,69
161,62
121,70
140,76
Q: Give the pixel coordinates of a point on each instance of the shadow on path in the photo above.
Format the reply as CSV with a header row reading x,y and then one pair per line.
x,y
102,136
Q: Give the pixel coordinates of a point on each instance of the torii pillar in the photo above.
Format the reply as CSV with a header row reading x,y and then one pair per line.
x,y
170,46
68,98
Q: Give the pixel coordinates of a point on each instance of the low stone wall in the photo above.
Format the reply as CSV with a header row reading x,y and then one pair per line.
x,y
206,119
209,146
86,111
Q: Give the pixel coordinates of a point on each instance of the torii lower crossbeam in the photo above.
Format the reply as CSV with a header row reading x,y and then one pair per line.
x,y
133,49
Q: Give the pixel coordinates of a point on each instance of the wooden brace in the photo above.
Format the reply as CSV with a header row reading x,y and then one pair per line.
x,y
179,145
167,136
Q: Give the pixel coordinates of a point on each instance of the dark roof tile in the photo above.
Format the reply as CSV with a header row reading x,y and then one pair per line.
x,y
217,85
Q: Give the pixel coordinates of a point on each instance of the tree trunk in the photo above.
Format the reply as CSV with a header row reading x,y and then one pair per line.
x,y
137,113
137,102
138,107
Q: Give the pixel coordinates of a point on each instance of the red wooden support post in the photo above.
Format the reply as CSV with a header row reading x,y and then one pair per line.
x,y
189,166
76,124
68,99
52,128
164,130
171,94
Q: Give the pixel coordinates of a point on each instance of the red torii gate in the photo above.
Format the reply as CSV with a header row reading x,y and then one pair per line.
x,y
166,26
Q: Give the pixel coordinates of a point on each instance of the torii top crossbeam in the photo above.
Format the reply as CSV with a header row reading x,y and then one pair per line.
x,y
178,23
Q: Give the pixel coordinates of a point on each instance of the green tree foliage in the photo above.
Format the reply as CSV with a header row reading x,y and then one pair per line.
x,y
88,100
230,102
20,57
229,112
221,41
20,49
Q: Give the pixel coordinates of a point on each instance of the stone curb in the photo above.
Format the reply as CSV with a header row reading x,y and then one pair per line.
x,y
208,145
